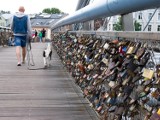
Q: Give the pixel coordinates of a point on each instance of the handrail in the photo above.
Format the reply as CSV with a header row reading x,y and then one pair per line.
x,y
106,8
7,28
124,34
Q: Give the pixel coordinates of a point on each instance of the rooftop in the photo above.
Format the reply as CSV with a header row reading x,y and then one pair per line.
x,y
45,20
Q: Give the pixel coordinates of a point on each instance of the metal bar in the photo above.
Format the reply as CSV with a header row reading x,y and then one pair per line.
x,y
155,36
7,28
150,19
106,8
105,24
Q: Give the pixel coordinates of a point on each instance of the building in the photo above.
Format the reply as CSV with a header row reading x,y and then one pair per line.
x,y
144,16
45,21
111,21
2,21
8,18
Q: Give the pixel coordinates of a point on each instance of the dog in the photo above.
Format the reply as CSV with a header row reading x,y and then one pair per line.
x,y
47,55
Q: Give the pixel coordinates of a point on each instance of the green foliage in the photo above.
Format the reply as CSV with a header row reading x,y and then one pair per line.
x,y
51,11
137,26
118,25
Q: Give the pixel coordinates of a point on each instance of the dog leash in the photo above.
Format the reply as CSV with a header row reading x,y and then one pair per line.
x,y
30,58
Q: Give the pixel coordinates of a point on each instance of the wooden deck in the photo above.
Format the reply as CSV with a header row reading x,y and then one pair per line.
x,y
48,94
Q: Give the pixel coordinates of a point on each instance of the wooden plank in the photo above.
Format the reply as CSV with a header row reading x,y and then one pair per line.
x,y
39,94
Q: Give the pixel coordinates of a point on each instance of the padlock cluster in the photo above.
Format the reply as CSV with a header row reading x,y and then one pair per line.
x,y
5,35
119,77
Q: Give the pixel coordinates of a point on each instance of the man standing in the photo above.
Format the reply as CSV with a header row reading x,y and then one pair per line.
x,y
43,34
40,36
21,28
35,34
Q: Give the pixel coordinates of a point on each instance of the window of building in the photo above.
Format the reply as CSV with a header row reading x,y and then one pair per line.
x,y
109,26
140,16
149,16
158,28
149,27
159,16
114,18
113,27
140,27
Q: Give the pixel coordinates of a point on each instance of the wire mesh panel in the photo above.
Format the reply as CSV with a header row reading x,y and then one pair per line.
x,y
119,82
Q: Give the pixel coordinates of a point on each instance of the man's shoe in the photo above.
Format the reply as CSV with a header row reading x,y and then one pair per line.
x,y
18,64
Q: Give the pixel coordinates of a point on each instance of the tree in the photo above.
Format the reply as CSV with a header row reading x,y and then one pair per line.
x,y
52,11
137,26
118,25
47,10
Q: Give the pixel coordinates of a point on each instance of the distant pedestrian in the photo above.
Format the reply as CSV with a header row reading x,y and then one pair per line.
x,y
40,36
21,27
43,34
35,34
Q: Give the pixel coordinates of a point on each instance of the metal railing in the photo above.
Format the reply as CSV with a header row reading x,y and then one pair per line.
x,y
70,53
5,33
106,8
153,36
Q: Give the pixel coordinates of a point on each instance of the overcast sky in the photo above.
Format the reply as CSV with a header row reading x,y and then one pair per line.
x,y
36,6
